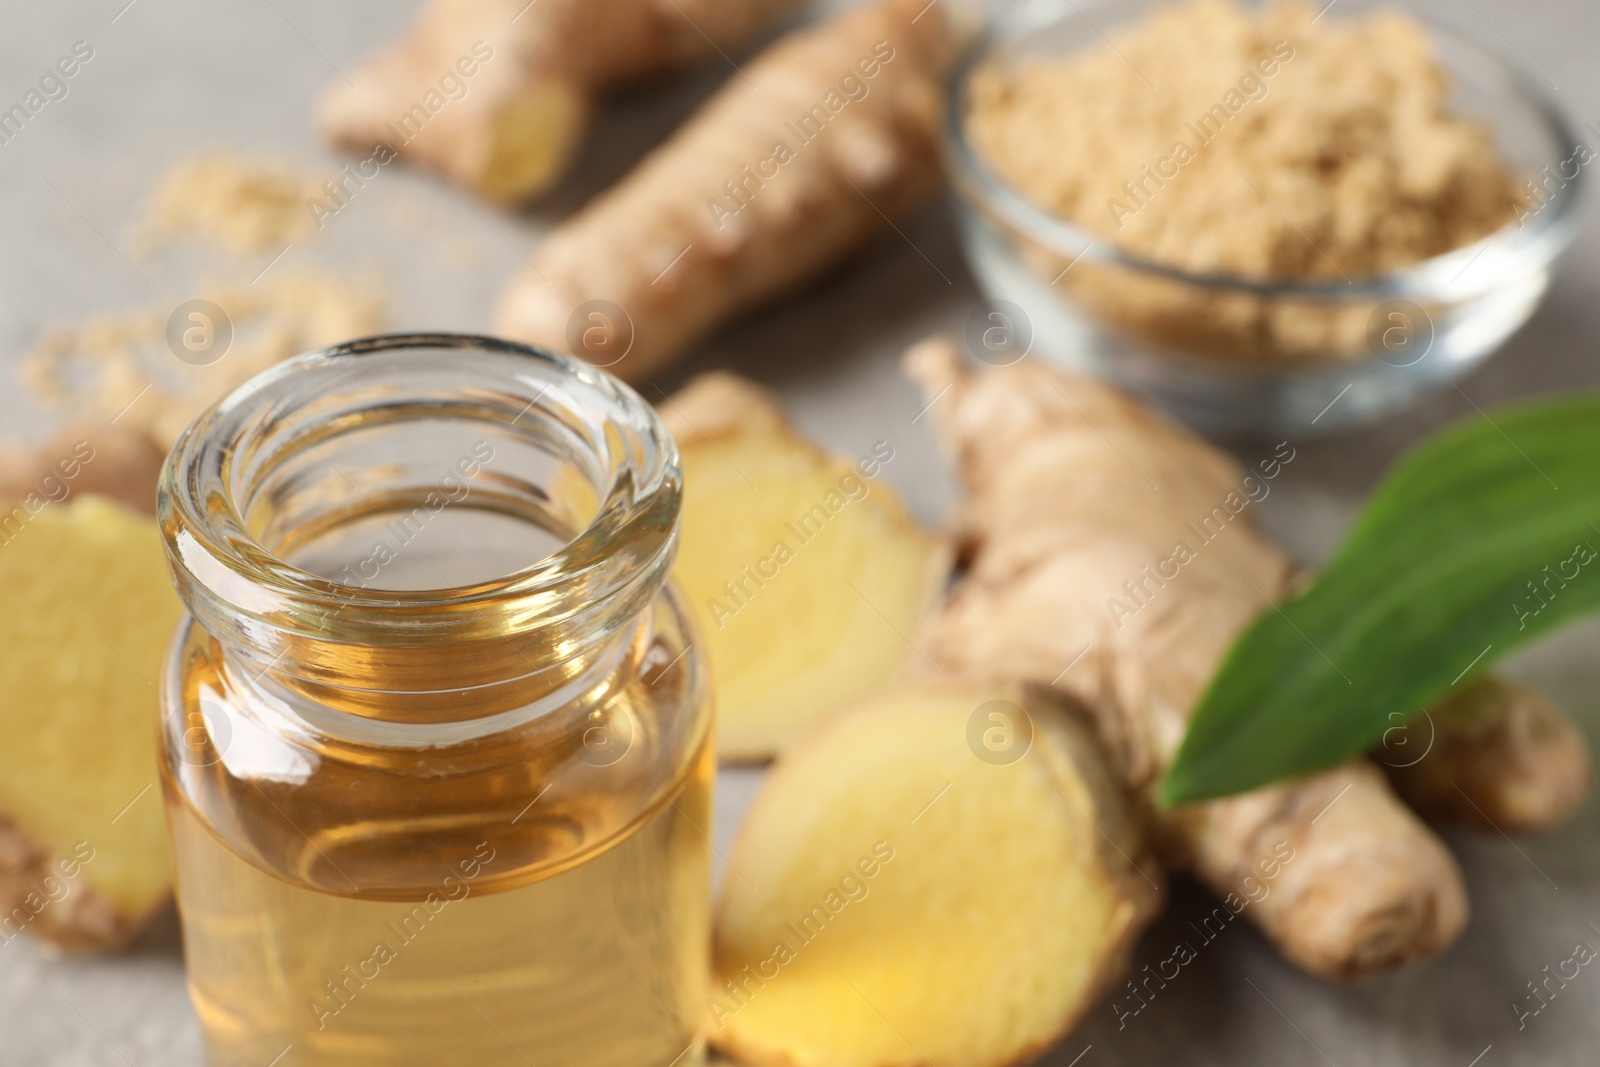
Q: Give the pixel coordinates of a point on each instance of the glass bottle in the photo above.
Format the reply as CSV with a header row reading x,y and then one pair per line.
x,y
437,750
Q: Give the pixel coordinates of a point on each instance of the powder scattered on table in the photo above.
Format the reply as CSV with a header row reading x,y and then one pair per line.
x,y
243,205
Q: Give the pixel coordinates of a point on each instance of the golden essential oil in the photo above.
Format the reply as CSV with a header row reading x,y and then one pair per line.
x,y
438,757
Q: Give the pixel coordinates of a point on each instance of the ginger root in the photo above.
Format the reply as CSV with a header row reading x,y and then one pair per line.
x,y
1073,489
496,94
1500,756
1495,756
945,871
798,162
86,610
804,570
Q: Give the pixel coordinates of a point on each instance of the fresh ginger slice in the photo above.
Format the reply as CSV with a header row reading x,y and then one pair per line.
x,y
936,876
86,609
806,573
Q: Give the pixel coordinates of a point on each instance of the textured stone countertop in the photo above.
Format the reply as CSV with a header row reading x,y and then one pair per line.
x,y
173,77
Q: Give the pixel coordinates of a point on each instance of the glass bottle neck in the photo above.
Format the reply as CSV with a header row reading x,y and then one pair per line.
x,y
423,529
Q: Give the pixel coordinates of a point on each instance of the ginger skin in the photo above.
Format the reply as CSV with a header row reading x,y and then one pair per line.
x,y
125,465
1499,757
531,72
1071,488
81,921
737,208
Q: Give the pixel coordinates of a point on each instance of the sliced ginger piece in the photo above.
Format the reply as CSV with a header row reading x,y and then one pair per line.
x,y
86,609
804,569
894,897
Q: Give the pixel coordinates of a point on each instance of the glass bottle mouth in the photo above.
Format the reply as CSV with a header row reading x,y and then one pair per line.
x,y
296,509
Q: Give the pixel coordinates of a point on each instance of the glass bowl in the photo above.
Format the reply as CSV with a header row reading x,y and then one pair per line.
x,y
1060,291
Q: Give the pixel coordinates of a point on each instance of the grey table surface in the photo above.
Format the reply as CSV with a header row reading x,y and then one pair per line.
x,y
173,77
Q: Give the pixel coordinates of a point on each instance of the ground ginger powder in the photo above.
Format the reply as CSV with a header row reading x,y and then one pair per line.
x,y
1266,144
244,205
121,368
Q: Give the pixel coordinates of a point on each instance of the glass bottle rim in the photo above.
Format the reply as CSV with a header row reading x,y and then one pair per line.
x,y
276,613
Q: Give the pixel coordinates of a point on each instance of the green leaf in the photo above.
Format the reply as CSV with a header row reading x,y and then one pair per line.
x,y
1479,540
